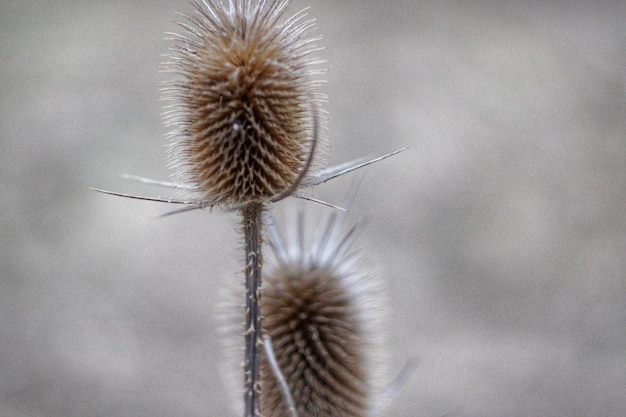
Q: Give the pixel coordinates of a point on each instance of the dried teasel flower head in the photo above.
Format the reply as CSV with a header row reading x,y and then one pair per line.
x,y
245,111
323,309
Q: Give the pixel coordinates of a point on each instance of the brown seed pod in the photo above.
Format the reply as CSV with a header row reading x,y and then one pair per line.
x,y
322,308
245,109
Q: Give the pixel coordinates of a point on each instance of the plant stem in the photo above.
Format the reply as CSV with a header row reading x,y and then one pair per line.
x,y
252,224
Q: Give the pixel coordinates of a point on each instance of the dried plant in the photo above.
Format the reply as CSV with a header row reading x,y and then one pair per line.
x,y
324,319
323,310
245,118
246,124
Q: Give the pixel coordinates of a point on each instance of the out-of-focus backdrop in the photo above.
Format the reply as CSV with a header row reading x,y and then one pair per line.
x,y
501,232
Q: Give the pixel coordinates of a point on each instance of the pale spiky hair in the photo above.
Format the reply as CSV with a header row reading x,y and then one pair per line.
x,y
245,115
323,310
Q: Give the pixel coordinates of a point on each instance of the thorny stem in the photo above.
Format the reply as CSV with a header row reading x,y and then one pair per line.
x,y
252,224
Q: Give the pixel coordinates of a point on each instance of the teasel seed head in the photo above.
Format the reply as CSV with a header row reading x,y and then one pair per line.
x,y
323,308
245,118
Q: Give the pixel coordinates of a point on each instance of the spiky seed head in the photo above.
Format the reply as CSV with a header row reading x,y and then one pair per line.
x,y
323,308
245,105
308,316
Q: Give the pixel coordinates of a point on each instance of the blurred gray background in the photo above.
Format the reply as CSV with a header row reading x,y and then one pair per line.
x,y
501,232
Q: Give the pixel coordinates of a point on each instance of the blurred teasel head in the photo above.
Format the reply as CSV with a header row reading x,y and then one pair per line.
x,y
324,311
245,113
